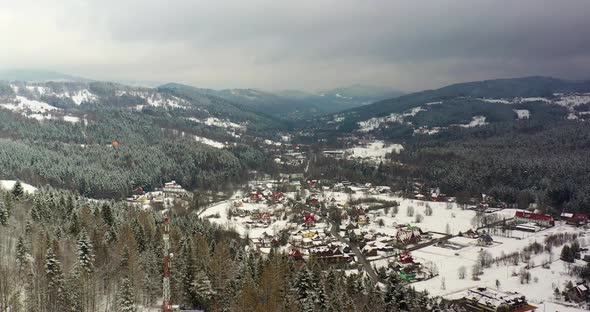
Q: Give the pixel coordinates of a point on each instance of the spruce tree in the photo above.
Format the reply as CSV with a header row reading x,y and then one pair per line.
x,y
22,255
107,214
202,288
55,280
17,190
85,255
3,214
126,300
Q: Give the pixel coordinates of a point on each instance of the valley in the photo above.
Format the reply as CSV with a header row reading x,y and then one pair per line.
x,y
420,196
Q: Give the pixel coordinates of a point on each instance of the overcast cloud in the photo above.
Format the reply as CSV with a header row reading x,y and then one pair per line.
x,y
307,44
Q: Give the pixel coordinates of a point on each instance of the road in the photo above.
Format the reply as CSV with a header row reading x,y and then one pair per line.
x,y
359,255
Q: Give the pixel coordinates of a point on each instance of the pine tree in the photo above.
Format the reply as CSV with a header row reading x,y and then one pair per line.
x,y
107,215
17,190
22,254
74,300
202,288
567,254
85,255
55,280
126,300
187,272
84,270
3,214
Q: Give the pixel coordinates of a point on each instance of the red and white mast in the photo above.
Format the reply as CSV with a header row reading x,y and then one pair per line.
x,y
167,302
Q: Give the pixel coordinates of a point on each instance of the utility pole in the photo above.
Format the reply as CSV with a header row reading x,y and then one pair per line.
x,y
167,302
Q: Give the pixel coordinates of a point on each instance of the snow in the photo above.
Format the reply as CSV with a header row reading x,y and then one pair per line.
x,y
156,99
343,97
269,142
375,122
216,122
34,106
82,96
9,185
476,121
40,117
534,99
374,150
522,113
501,101
209,142
72,119
459,220
31,108
338,118
449,261
573,100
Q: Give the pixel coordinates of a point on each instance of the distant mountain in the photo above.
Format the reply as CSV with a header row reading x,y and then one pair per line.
x,y
362,94
470,104
37,76
295,104
71,100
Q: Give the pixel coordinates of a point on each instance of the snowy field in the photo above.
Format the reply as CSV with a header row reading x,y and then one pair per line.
x,y
374,150
8,185
209,142
449,261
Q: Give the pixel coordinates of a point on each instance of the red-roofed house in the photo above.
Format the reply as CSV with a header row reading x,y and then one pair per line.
x,y
309,219
540,219
578,219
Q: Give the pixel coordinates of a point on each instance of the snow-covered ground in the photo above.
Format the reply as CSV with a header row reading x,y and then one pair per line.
x,y
9,185
209,142
476,121
25,105
374,150
522,113
71,119
375,122
445,217
82,96
449,261
221,123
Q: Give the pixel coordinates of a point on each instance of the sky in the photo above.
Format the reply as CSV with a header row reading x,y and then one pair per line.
x,y
303,44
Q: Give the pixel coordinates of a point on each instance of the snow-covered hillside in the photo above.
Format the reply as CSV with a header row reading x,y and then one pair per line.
x,y
8,185
573,102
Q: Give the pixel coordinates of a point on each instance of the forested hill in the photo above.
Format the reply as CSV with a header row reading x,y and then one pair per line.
x,y
468,104
289,105
103,139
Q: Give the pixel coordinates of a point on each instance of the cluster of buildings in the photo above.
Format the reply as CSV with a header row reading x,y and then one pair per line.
x,y
483,299
160,197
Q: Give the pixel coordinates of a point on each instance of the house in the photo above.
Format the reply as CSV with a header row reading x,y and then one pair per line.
x,y
566,215
579,293
329,254
173,189
471,234
363,219
482,299
578,219
406,258
295,254
485,240
309,220
537,218
138,191
409,235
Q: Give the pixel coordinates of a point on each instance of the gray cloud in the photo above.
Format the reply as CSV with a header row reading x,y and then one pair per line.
x,y
300,44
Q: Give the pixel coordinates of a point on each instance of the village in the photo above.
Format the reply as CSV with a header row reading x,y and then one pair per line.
x,y
456,251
